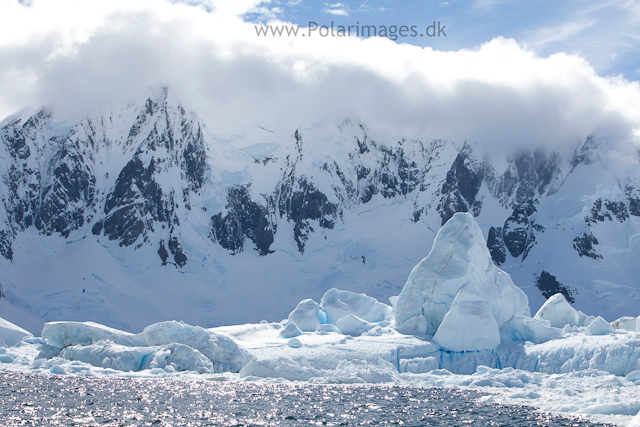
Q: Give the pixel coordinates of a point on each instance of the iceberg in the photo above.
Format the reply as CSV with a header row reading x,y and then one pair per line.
x,y
11,334
458,279
558,312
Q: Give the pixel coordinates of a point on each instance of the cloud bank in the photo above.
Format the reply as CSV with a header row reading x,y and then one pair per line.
x,y
80,57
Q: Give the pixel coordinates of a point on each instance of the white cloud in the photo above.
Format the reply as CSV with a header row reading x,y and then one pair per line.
x,y
79,58
338,9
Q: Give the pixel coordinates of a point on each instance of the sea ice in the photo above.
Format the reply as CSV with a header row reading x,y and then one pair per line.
x,y
459,266
11,334
558,311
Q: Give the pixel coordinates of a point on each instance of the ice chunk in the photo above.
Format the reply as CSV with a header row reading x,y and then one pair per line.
x,y
393,300
522,328
222,351
64,334
633,375
11,334
458,259
638,324
353,325
581,318
176,357
419,365
337,304
294,343
469,325
328,327
558,311
307,315
290,331
627,323
600,327
588,321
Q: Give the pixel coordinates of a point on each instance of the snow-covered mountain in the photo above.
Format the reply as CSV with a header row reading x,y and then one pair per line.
x,y
140,215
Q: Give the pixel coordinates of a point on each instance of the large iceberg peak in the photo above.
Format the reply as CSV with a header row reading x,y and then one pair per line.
x,y
458,273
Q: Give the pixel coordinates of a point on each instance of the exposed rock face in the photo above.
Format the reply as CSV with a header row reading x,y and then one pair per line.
x,y
60,181
461,186
245,219
585,244
549,286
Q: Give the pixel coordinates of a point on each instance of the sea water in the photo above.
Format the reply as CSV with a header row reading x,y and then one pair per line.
x,y
50,400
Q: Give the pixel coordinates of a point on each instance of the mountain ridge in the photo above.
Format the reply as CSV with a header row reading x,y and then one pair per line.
x,y
147,189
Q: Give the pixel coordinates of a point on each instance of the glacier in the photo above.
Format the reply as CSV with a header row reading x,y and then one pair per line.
x,y
560,360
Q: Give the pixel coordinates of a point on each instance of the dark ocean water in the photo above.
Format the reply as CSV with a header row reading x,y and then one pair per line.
x,y
48,400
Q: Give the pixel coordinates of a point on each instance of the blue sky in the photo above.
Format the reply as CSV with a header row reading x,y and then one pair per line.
x,y
605,33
